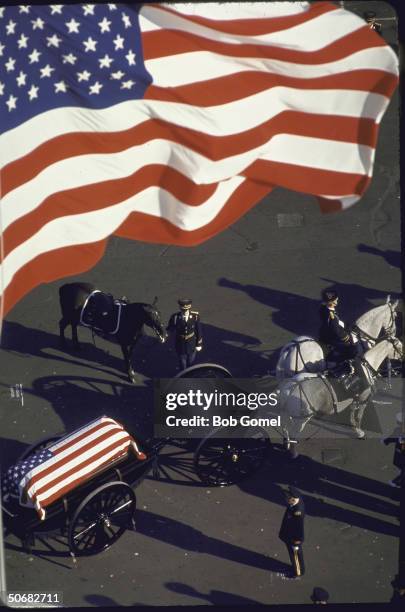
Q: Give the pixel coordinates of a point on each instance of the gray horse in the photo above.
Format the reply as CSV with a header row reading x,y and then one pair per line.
x,y
314,394
304,354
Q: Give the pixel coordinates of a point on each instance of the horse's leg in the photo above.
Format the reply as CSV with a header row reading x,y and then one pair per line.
x,y
75,339
127,354
356,416
63,323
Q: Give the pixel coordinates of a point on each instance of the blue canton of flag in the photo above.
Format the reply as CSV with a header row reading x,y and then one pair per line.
x,y
13,476
84,55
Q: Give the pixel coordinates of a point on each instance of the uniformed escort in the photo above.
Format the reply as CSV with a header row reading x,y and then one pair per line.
x,y
399,452
332,332
292,530
187,329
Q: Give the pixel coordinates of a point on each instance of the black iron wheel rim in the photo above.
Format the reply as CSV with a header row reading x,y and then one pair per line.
x,y
101,519
224,461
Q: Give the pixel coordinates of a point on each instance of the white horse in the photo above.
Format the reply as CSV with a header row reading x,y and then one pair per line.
x,y
304,354
306,395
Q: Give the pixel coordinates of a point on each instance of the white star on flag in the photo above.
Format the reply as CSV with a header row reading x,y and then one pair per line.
x,y
127,84
104,25
34,56
117,75
95,89
56,9
83,76
1,49
112,7
126,20
106,61
53,41
22,41
90,44
73,26
46,71
10,27
21,78
1,88
69,59
88,9
37,23
131,58
11,102
118,42
10,64
60,86
24,8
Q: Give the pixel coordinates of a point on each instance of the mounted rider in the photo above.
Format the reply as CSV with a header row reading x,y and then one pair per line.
x,y
333,332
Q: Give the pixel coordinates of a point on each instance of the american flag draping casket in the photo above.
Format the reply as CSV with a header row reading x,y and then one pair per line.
x,y
48,474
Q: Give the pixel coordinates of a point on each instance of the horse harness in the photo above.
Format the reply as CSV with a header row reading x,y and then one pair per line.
x,y
297,345
101,312
362,334
348,384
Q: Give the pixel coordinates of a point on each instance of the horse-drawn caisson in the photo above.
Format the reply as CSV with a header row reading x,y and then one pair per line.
x,y
82,484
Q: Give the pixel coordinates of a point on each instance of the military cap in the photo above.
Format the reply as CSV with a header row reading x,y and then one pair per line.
x,y
185,303
319,594
329,295
293,492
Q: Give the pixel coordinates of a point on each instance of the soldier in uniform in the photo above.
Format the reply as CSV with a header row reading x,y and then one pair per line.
x,y
187,329
292,530
397,438
332,332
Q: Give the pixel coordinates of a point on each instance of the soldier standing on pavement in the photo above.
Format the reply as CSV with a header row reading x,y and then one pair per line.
x,y
398,438
187,329
292,530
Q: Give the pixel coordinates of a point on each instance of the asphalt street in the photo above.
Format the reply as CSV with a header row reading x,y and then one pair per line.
x,y
256,286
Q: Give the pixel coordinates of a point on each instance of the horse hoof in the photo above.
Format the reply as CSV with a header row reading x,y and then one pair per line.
x,y
360,435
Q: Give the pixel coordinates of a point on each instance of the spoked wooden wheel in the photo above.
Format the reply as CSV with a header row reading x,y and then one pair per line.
x,y
102,518
225,461
205,370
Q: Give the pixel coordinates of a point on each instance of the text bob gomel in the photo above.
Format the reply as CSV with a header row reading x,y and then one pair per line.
x,y
219,421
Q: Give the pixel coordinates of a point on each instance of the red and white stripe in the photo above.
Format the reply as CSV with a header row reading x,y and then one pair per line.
x,y
244,97
76,458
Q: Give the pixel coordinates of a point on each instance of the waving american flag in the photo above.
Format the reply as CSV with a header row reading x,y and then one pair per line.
x,y
166,123
48,474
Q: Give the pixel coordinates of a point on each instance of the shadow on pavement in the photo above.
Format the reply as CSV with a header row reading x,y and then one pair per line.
x,y
299,314
316,481
188,538
393,258
214,597
150,357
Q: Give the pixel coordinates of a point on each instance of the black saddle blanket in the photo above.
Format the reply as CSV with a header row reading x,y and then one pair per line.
x,y
102,312
348,379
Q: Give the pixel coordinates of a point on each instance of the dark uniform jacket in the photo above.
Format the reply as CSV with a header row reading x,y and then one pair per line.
x,y
292,527
330,331
187,333
399,451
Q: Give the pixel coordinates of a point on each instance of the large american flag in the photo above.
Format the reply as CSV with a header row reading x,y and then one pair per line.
x,y
166,123
47,475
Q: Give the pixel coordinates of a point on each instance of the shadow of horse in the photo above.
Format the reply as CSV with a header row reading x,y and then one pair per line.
x,y
392,258
239,352
299,314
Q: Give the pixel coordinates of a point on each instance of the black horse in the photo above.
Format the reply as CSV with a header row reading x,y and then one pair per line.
x,y
133,317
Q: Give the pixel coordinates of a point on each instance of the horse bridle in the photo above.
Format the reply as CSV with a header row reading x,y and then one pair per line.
x,y
388,331
375,373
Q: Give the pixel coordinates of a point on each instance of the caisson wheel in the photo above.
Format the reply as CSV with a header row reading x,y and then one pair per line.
x,y
225,461
101,518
